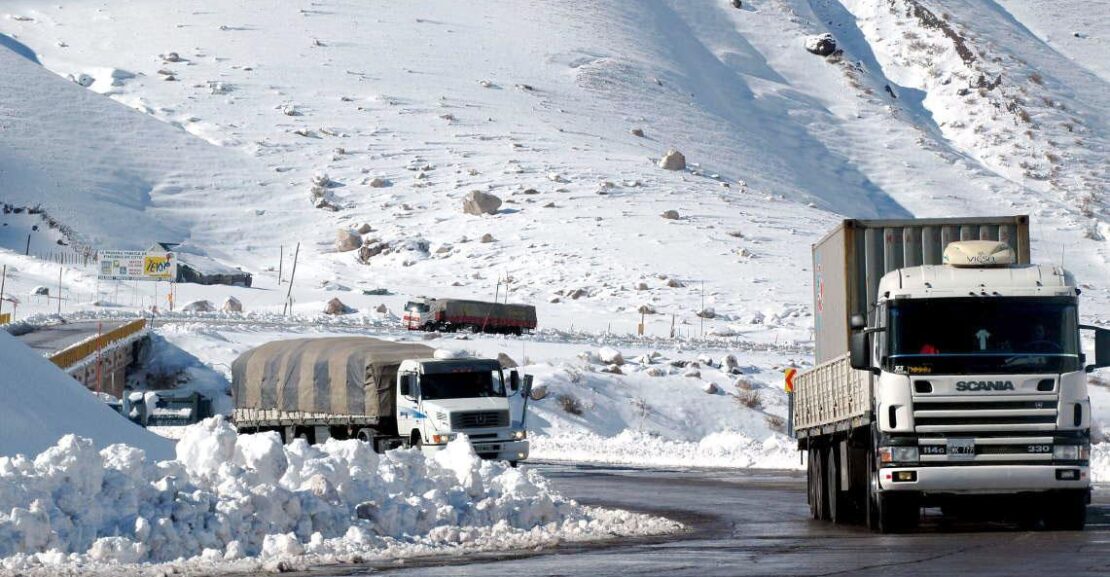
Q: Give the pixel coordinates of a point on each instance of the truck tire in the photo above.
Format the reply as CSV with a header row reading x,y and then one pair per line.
x,y
814,479
871,505
1066,513
896,513
835,498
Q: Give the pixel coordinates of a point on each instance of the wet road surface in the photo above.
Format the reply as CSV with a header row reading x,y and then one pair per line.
x,y
752,523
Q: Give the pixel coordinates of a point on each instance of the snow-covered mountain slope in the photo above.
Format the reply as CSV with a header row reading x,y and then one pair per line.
x,y
436,99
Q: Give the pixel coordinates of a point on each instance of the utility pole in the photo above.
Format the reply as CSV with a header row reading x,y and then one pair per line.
x,y
3,282
702,312
60,269
292,275
281,261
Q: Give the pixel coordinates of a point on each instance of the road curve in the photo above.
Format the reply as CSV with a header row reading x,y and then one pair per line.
x,y
757,523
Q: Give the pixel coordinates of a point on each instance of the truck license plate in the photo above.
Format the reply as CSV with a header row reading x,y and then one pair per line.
x,y
961,449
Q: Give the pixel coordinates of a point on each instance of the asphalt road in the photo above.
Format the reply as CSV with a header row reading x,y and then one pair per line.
x,y
758,524
53,338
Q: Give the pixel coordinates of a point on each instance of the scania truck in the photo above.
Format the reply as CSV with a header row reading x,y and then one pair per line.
x,y
949,374
389,394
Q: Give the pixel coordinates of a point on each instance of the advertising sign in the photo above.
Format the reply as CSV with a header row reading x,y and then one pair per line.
x,y
136,265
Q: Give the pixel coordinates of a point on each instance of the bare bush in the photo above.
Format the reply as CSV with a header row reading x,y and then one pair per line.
x,y
569,403
775,423
750,399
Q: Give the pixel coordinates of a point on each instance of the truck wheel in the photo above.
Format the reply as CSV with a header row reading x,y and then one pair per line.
x,y
1066,513
814,479
871,496
835,498
896,513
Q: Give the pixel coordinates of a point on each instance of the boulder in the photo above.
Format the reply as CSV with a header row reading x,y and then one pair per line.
x,y
673,160
232,305
201,306
347,240
638,132
479,203
364,228
670,215
381,309
506,361
821,44
610,356
737,4
486,238
711,388
707,313
336,307
378,182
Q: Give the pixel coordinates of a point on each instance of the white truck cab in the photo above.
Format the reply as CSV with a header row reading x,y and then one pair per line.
x,y
981,365
437,399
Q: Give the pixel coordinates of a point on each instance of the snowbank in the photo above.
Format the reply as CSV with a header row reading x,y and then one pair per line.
x,y
240,503
717,450
41,404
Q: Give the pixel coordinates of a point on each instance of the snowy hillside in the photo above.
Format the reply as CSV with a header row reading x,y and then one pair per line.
x,y
535,103
244,128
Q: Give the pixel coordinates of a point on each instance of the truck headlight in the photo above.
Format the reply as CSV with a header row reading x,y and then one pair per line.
x,y
442,439
1066,452
520,435
898,454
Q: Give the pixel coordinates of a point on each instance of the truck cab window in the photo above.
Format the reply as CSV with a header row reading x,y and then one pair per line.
x,y
985,335
462,385
416,307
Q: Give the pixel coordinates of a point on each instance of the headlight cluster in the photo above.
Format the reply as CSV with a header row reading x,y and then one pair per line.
x,y
1071,452
520,435
898,454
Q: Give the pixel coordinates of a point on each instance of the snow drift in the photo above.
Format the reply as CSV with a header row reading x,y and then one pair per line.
x,y
241,502
41,404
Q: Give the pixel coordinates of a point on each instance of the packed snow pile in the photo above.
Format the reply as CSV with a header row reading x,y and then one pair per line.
x,y
727,449
247,502
41,404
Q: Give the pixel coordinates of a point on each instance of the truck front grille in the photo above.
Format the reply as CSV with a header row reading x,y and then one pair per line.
x,y
479,419
1014,413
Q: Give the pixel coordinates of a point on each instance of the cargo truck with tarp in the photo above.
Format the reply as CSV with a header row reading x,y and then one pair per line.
x,y
949,373
449,315
385,393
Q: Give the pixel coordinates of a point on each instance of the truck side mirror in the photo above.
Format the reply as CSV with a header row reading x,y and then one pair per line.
x,y
407,386
1102,350
859,351
527,391
514,381
857,323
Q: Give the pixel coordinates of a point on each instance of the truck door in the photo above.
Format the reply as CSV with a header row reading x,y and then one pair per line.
x,y
409,416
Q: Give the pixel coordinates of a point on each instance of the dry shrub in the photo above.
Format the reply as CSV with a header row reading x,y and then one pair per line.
x,y
775,423
569,403
750,399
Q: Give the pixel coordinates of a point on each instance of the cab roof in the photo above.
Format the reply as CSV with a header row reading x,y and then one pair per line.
x,y
939,281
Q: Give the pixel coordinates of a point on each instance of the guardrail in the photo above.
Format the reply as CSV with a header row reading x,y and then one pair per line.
x,y
72,355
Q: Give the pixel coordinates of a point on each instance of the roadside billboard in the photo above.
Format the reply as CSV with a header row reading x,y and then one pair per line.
x,y
136,265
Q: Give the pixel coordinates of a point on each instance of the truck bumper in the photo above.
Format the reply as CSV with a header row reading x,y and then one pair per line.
x,y
492,450
502,450
979,479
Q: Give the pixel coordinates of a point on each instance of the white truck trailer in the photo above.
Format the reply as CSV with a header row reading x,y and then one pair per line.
x,y
949,373
385,393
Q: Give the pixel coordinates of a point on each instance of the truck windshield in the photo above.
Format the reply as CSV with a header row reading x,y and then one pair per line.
x,y
983,335
466,385
416,307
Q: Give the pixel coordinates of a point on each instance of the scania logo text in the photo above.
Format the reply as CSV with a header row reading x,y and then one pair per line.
x,y
985,386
